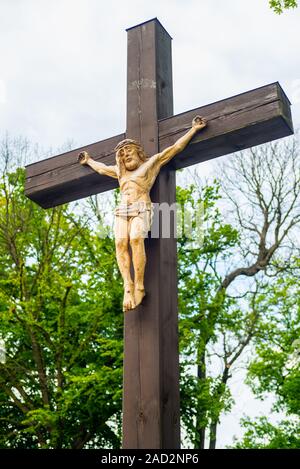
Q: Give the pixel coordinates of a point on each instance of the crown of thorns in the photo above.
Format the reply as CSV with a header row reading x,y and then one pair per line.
x,y
127,141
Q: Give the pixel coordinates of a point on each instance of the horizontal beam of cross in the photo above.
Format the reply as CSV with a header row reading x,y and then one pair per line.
x,y
236,123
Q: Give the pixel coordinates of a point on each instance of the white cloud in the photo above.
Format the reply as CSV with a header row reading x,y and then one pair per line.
x,y
65,61
2,92
295,91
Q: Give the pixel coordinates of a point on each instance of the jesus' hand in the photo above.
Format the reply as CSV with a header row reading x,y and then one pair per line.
x,y
199,123
83,157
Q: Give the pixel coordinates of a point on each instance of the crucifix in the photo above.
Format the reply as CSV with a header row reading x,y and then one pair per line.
x,y
133,217
151,417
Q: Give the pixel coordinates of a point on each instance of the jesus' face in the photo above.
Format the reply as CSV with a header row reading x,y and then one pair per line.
x,y
130,156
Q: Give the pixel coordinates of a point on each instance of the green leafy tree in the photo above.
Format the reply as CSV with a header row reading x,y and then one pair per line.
x,y
276,367
60,303
221,280
204,397
60,318
214,329
261,434
280,5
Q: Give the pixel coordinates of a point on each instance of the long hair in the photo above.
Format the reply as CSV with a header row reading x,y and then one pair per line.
x,y
140,151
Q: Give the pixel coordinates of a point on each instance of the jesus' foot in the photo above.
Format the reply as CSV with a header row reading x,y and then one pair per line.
x,y
139,293
128,301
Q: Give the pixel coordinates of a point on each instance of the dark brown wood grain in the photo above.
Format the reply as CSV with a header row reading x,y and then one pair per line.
x,y
236,123
61,179
151,358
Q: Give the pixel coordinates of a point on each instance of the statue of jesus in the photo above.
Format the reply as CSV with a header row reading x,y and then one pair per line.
x,y
136,174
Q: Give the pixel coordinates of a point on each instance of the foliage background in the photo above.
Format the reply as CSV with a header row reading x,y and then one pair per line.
x,y
60,306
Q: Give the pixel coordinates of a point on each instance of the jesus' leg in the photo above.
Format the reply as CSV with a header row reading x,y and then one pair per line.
x,y
139,262
137,242
123,259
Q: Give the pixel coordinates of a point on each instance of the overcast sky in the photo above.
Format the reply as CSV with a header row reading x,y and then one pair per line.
x,y
63,67
63,62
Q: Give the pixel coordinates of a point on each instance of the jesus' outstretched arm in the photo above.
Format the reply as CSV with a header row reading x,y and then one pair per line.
x,y
166,155
101,168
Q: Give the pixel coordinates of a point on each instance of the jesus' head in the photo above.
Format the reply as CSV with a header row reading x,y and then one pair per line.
x,y
131,152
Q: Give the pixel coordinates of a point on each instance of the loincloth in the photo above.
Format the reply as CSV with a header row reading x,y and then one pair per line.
x,y
133,210
137,210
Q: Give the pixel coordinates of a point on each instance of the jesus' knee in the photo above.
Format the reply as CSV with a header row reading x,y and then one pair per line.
x,y
122,253
121,245
136,243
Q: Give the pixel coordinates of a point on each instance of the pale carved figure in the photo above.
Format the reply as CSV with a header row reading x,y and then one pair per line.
x,y
136,174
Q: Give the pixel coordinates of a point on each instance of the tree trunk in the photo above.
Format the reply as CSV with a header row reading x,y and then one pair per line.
x,y
214,423
213,435
200,429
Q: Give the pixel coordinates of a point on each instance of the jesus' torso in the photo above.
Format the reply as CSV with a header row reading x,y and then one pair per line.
x,y
135,185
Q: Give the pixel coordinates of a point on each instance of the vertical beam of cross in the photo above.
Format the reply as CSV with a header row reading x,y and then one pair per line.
x,y
151,358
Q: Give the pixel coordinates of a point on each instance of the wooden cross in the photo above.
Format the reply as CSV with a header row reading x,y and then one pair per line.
x,y
151,359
